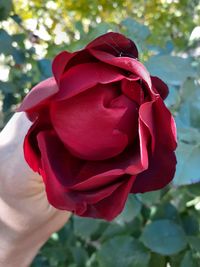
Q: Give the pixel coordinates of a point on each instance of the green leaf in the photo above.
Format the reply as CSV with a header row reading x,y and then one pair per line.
x,y
166,211
157,260
123,251
173,70
6,43
136,31
85,227
190,225
80,256
5,8
7,87
187,169
194,243
189,112
194,189
149,198
131,210
18,56
188,260
164,237
45,68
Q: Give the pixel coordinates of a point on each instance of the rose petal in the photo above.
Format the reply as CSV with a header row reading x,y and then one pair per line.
x,y
160,86
90,133
58,171
31,151
116,44
59,63
146,116
111,206
162,162
57,174
39,94
126,63
161,171
84,76
139,158
133,90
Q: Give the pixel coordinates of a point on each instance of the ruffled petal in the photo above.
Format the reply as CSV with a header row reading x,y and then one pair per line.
x,y
110,207
116,44
65,192
133,90
160,86
39,94
162,166
84,76
162,160
126,63
59,63
31,151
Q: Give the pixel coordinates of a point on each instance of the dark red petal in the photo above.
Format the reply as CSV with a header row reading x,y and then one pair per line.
x,y
31,152
87,125
59,64
160,86
126,63
162,160
133,90
41,92
139,158
98,181
164,125
59,170
146,116
111,206
161,171
115,43
84,76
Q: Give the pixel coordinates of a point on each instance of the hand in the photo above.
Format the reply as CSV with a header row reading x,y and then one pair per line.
x,y
26,218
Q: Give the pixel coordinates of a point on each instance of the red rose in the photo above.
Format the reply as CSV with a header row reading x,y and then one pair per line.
x,y
101,129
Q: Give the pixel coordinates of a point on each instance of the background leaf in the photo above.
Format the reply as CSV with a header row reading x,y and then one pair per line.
x,y
164,237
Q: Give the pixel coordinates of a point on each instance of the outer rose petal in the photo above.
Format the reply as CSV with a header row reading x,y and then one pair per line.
x,y
161,171
162,158
31,154
59,64
160,86
57,173
39,94
115,43
116,202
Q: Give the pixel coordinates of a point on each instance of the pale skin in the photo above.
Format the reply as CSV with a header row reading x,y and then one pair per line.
x,y
27,220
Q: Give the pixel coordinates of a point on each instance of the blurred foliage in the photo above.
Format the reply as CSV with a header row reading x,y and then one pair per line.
x,y
157,228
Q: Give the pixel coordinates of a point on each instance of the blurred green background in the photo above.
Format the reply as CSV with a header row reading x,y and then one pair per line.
x,y
157,229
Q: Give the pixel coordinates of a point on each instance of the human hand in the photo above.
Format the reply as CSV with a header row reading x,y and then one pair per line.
x,y
26,218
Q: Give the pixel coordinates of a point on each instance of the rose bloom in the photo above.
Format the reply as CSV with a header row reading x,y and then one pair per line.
x,y
100,129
